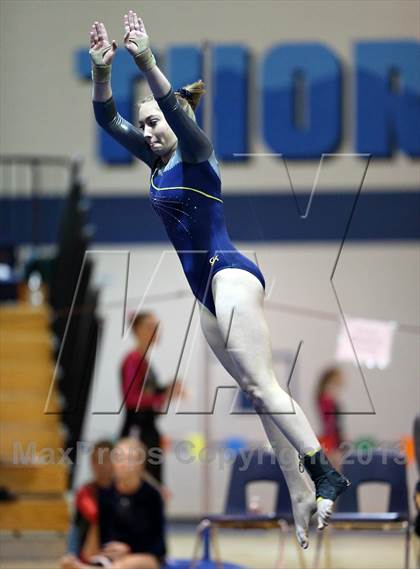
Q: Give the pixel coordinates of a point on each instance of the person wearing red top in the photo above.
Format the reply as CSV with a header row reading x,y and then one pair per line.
x,y
143,398
327,399
83,538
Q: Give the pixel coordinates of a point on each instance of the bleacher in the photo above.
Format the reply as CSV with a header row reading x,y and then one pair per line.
x,y
29,437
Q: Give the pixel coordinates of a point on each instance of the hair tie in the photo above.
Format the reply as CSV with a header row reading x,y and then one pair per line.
x,y
185,94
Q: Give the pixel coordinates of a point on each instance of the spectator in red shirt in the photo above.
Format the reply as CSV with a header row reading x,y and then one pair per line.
x,y
327,399
143,398
84,533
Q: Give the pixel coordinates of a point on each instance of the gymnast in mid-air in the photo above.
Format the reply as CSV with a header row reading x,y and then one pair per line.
x,y
185,191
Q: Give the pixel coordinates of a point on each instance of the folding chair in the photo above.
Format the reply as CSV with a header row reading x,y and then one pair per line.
x,y
258,466
379,466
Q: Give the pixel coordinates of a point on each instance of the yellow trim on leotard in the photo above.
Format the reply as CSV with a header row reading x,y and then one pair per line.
x,y
184,188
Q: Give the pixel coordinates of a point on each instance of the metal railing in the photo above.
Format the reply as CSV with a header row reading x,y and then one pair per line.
x,y
23,176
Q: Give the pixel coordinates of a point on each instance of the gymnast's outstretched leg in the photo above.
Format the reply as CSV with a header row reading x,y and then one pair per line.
x,y
238,298
300,487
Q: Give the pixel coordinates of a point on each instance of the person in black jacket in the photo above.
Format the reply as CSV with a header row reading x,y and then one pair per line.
x,y
131,516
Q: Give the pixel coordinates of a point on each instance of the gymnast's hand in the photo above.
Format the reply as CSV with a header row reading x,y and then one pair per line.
x,y
101,51
136,39
137,42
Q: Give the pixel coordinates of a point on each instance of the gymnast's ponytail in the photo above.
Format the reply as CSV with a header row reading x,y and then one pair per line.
x,y
188,97
192,93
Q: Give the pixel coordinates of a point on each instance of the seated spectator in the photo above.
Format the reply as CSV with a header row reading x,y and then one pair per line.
x,y
131,518
84,533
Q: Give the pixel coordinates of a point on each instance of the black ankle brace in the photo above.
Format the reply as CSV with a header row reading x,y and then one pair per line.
x,y
317,464
328,482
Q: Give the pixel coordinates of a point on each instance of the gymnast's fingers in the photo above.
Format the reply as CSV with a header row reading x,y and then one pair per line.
x,y
104,33
92,38
131,20
94,33
126,25
142,27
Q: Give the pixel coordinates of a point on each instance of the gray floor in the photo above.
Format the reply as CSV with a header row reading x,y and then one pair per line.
x,y
256,550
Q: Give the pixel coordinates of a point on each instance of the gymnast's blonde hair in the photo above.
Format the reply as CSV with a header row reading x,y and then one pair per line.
x,y
196,90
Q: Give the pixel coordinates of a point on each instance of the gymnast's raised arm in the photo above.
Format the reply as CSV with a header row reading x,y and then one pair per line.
x,y
101,53
193,142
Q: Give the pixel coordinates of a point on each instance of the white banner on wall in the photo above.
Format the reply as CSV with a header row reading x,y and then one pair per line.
x,y
372,341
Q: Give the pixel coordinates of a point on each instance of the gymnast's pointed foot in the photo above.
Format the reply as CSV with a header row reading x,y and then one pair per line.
x,y
329,484
303,506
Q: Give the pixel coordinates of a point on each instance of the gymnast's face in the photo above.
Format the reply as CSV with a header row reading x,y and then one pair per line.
x,y
157,133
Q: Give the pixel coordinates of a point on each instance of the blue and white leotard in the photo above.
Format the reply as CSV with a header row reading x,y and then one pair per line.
x,y
186,194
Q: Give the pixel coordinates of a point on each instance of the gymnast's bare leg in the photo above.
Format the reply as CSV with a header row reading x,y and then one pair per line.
x,y
240,325
300,486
